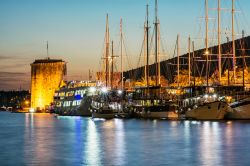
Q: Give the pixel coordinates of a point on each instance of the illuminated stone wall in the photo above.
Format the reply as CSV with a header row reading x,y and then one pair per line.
x,y
46,76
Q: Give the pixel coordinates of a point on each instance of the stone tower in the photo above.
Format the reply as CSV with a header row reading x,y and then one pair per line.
x,y
46,76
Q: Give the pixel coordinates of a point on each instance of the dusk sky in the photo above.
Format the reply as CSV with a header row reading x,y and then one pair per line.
x,y
75,30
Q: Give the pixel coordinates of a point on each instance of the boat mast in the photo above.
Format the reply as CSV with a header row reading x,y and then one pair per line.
x,y
233,43
178,60
228,61
107,53
145,52
244,60
193,63
90,76
112,63
219,42
206,41
121,54
157,61
189,61
147,35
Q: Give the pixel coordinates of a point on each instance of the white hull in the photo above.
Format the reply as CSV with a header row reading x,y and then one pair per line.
x,y
209,111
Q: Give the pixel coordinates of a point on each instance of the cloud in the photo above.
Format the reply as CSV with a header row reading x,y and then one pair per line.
x,y
14,80
14,85
11,74
12,66
2,57
9,57
16,58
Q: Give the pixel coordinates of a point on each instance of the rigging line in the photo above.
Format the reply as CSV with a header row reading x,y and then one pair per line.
x,y
243,51
175,48
126,55
151,45
162,43
140,55
200,71
163,50
126,52
164,60
244,15
101,63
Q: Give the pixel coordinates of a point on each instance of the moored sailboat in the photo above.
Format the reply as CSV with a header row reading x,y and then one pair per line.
x,y
100,106
148,103
211,107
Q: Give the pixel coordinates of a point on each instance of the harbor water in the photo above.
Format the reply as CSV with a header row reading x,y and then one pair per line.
x,y
43,139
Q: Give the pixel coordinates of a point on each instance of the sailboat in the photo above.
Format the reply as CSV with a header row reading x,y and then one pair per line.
x,y
122,105
100,106
209,106
147,101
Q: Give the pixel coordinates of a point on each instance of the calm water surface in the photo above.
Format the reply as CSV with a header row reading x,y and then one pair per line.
x,y
42,139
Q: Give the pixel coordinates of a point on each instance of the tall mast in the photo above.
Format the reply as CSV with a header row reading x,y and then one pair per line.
x,y
145,52
243,60
193,62
189,61
107,76
112,64
228,61
206,19
147,34
157,61
206,42
178,60
90,76
121,53
233,42
219,41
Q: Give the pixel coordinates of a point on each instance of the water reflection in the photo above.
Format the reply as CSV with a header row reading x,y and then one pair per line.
x,y
42,139
229,135
210,144
120,142
38,139
92,145
187,132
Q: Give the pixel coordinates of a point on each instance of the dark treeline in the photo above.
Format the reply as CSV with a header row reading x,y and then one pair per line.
x,y
13,98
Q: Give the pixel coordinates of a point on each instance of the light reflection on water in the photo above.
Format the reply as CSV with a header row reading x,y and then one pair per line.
x,y
92,145
42,139
210,144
